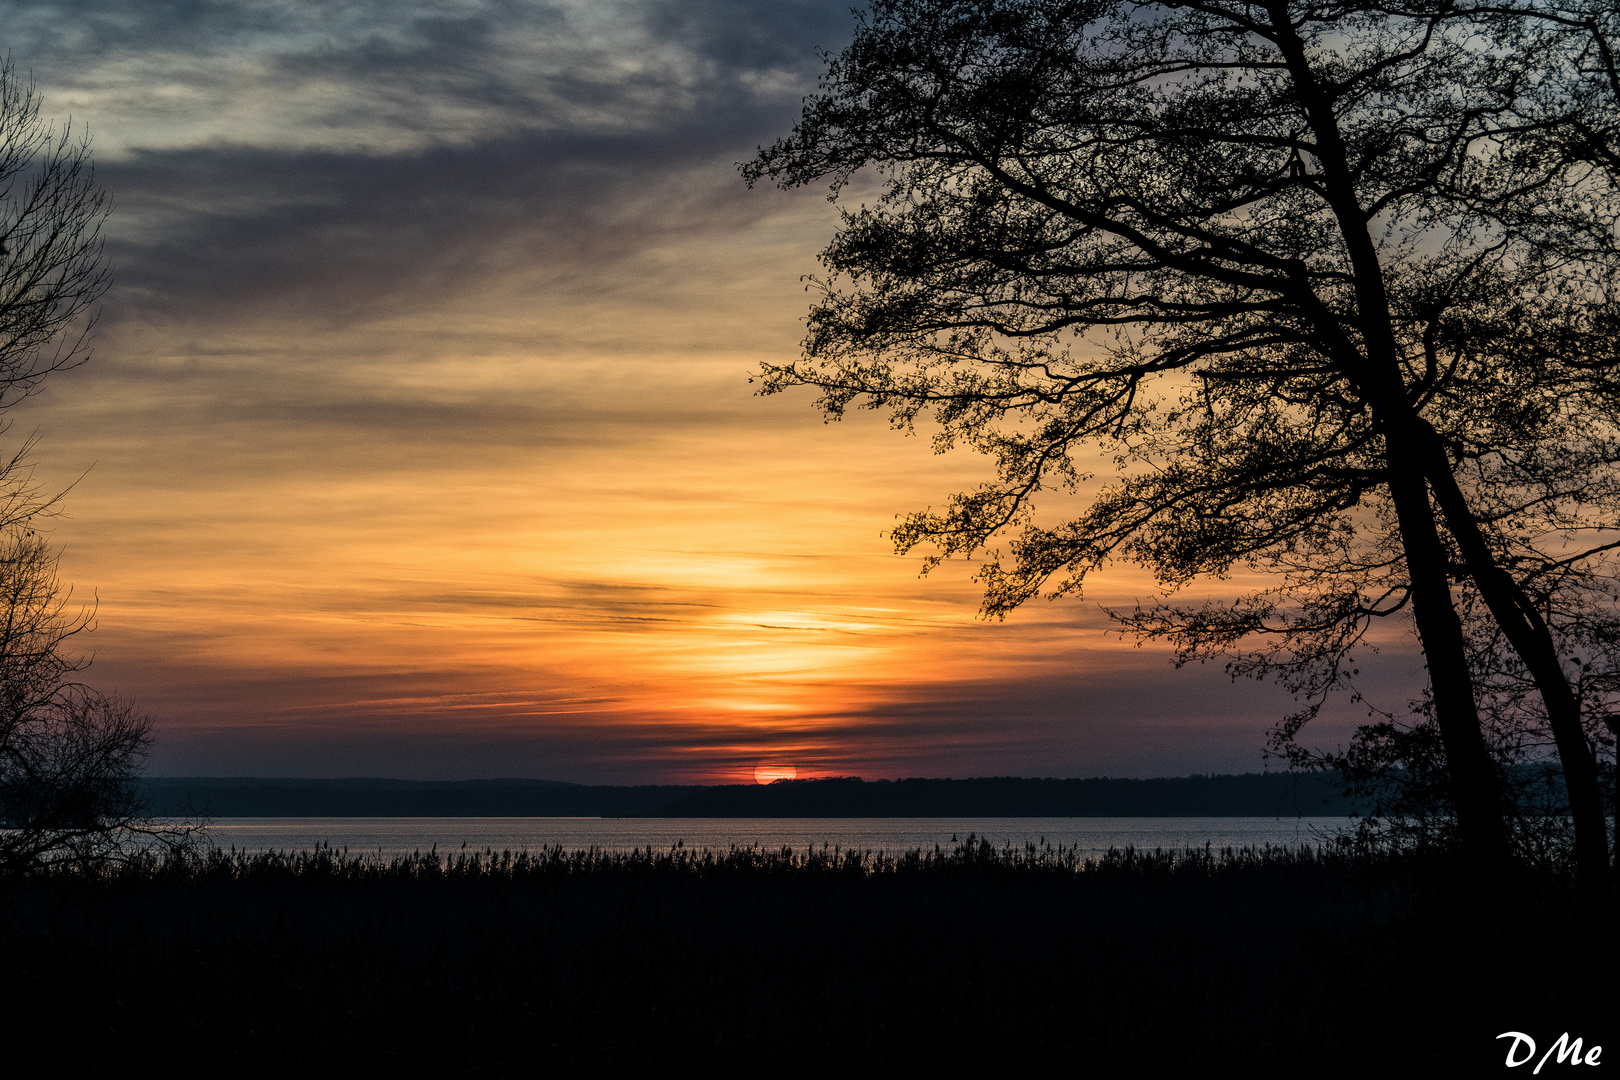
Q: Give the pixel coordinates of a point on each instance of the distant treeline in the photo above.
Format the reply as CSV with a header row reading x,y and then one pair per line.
x,y
1243,795
173,796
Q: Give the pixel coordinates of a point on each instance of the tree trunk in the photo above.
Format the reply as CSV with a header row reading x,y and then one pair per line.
x,y
1532,639
1476,789
1375,369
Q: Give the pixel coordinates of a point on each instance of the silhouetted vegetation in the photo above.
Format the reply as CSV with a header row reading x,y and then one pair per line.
x,y
69,755
1326,291
1260,963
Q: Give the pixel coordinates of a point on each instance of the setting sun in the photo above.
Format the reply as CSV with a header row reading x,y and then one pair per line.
x,y
768,774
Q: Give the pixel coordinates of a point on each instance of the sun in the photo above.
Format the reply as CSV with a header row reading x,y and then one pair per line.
x,y
769,773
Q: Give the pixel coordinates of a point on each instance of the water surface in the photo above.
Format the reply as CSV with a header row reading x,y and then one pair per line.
x,y
1091,836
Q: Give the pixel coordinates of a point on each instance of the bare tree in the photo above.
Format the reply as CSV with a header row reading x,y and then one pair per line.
x,y
69,755
52,270
1331,287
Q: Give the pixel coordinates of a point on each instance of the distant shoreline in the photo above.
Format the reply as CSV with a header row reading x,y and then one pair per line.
x,y
1232,795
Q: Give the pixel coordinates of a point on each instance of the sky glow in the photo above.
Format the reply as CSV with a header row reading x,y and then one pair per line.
x,y
419,441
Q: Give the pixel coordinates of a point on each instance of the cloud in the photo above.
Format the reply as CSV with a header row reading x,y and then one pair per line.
x,y
339,238
421,430
321,159
389,77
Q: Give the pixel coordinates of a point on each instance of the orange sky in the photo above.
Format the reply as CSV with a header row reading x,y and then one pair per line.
x,y
420,441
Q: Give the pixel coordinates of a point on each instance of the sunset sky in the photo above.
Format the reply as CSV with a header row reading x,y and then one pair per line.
x,y
418,437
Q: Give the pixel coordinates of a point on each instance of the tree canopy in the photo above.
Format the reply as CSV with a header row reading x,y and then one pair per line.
x,y
1322,289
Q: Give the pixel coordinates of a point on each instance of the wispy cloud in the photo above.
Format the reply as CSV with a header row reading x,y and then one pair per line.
x,y
419,434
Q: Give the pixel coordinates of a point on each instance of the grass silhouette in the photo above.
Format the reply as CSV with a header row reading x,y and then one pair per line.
x,y
1193,963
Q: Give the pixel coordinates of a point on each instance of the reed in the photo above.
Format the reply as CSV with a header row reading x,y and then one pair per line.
x,y
1285,960
973,856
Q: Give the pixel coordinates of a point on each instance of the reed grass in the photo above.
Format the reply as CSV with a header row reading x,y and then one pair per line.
x,y
1274,961
975,856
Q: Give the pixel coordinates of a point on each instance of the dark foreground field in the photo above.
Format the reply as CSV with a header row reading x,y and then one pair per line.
x,y
962,962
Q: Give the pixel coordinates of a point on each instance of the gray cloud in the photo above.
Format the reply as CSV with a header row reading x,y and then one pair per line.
x,y
322,160
327,236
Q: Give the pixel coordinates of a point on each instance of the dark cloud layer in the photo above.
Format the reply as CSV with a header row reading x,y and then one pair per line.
x,y
622,133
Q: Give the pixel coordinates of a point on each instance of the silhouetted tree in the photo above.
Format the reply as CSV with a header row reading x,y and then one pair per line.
x,y
52,270
1329,287
68,754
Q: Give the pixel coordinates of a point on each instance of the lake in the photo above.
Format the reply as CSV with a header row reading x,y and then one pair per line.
x,y
1091,836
